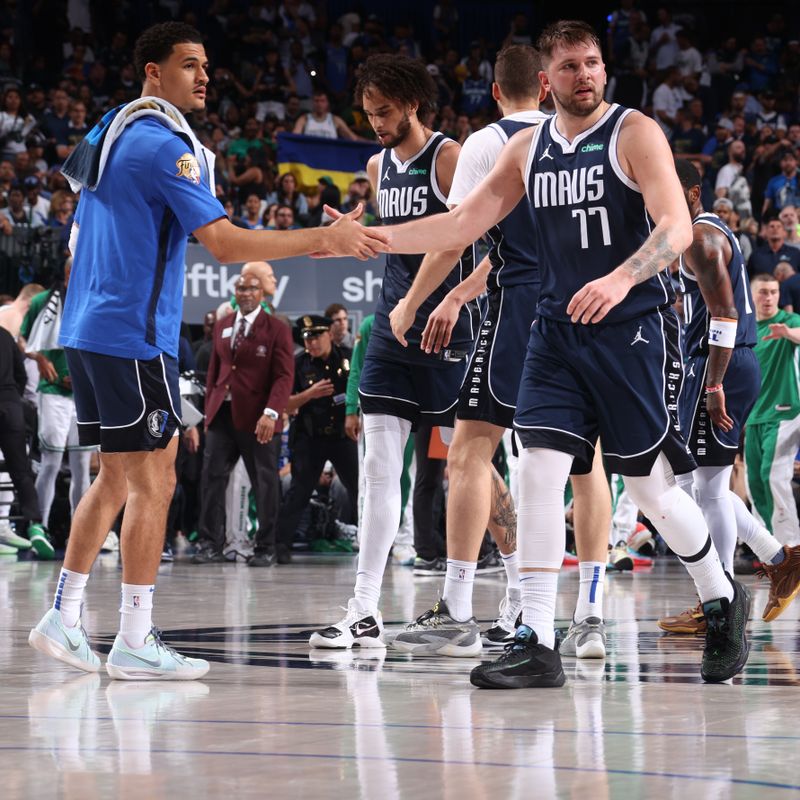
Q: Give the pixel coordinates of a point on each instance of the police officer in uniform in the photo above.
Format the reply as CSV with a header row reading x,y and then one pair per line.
x,y
317,435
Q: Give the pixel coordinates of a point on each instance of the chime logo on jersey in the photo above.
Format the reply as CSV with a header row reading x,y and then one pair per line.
x,y
405,201
568,187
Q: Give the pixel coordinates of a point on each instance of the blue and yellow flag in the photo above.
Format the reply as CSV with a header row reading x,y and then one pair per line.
x,y
312,157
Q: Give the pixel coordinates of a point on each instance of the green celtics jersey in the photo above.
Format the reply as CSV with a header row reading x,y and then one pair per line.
x,y
779,398
57,357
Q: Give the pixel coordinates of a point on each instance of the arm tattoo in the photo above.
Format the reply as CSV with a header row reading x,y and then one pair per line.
x,y
503,513
651,258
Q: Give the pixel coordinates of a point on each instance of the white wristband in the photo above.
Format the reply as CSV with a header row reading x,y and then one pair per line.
x,y
722,332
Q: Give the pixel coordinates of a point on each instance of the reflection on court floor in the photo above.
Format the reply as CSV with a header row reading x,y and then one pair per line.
x,y
275,719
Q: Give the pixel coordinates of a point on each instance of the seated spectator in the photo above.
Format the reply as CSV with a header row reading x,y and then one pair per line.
x,y
768,115
77,128
791,224
790,286
251,213
55,123
250,173
321,122
731,182
274,85
33,197
249,140
284,219
667,99
476,91
329,195
15,215
687,137
62,214
288,194
360,191
723,208
15,124
767,257
783,189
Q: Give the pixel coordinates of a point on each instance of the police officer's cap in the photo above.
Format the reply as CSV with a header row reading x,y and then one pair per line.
x,y
313,325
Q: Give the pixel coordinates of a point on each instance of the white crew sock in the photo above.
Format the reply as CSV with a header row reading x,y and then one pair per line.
x,y
69,595
136,613
590,590
707,574
680,522
753,534
385,440
458,584
511,564
538,594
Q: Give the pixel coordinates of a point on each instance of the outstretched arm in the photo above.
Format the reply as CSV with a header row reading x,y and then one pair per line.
x,y
645,156
707,258
346,237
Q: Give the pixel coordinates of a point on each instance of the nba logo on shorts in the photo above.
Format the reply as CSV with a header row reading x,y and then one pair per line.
x,y
136,601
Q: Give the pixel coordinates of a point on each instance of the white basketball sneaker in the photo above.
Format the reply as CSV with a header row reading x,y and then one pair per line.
x,y
357,628
154,661
70,645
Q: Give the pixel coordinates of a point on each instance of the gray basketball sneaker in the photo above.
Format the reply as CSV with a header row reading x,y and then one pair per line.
x,y
436,633
585,639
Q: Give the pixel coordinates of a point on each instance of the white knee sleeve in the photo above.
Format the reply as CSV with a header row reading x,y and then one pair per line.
x,y
541,530
673,513
385,440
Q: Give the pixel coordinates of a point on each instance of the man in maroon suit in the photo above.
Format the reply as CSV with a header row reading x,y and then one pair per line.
x,y
250,377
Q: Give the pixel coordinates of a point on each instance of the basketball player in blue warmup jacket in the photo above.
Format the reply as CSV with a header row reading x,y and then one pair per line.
x,y
488,401
604,356
722,384
400,386
147,184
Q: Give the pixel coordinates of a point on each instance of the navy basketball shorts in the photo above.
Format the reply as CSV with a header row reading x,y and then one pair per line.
x,y
621,382
710,446
416,392
489,393
124,405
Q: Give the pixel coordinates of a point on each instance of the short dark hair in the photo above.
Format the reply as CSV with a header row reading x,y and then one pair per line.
x,y
334,308
688,173
398,78
566,33
516,71
283,206
156,43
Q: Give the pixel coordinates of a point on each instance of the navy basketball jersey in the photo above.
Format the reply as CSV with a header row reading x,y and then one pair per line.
x,y
406,191
513,250
695,311
589,217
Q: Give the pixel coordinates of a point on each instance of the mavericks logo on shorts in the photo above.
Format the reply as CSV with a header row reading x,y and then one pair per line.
x,y
157,422
188,168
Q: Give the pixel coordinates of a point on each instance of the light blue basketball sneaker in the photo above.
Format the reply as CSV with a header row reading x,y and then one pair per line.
x,y
154,661
70,645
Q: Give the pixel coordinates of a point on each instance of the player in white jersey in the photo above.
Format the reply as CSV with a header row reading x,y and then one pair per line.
x,y
488,399
602,357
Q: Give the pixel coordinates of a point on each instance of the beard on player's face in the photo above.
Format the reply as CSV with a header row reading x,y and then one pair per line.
x,y
400,135
579,107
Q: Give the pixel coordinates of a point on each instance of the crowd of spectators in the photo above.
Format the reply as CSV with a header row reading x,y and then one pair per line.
x,y
277,66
